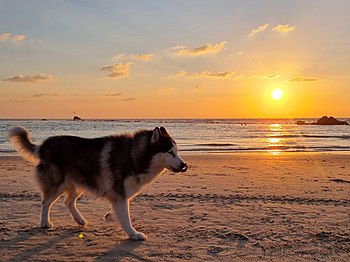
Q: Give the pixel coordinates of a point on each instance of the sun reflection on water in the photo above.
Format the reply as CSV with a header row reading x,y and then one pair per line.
x,y
274,140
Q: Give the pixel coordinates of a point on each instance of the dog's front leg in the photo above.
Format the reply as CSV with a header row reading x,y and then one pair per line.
x,y
122,213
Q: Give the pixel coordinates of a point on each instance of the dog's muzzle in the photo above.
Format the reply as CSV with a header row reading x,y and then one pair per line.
x,y
183,168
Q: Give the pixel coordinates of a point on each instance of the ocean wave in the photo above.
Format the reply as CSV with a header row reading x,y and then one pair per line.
x,y
7,151
311,136
216,144
199,135
270,148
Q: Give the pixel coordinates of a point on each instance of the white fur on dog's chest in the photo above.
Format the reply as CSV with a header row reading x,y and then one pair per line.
x,y
134,184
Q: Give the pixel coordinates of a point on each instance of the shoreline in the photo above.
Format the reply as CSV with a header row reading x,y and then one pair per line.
x,y
239,153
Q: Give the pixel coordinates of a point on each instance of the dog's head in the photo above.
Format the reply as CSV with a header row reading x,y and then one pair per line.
x,y
167,151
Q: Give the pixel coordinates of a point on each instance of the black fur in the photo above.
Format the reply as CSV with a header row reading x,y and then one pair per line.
x,y
80,158
72,155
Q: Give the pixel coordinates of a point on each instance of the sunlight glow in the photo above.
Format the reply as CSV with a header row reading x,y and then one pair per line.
x,y
276,94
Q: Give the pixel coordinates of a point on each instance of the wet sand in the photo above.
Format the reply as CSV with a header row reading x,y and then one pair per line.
x,y
227,207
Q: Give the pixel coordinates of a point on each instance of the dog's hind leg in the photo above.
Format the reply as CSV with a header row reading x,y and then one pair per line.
x,y
121,211
52,186
48,199
70,201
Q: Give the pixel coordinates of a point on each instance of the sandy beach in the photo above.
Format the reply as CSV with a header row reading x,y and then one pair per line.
x,y
227,207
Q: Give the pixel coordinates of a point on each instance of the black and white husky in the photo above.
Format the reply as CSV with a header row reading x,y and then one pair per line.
x,y
113,167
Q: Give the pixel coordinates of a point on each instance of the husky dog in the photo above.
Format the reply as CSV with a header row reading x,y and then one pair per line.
x,y
113,167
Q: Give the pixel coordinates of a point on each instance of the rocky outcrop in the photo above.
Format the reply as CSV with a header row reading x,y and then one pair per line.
x,y
330,121
325,120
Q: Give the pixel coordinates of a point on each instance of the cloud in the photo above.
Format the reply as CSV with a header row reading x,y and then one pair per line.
x,y
44,94
114,94
204,74
119,57
258,30
265,77
202,50
25,99
181,73
208,74
241,94
117,70
29,78
140,57
18,100
129,99
302,79
18,38
200,87
284,28
5,37
268,77
143,57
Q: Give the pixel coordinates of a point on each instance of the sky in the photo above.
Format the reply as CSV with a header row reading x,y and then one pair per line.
x,y
174,59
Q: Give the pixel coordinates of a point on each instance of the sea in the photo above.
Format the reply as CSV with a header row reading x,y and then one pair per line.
x,y
200,135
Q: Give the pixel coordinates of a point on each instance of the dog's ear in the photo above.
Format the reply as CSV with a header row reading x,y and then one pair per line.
x,y
155,135
163,130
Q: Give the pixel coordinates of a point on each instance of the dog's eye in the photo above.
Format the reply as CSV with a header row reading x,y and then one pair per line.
x,y
171,153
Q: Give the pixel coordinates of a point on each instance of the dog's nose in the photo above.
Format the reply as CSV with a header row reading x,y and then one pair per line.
x,y
183,167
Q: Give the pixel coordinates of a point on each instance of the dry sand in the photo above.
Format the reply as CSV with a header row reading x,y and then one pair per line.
x,y
227,207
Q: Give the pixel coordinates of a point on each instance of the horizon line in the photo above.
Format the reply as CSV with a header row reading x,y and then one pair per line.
x,y
160,118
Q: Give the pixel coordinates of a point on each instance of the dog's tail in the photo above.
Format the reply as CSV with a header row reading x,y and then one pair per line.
x,y
23,145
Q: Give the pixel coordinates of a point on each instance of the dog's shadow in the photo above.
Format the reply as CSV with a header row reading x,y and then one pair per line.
x,y
123,248
25,235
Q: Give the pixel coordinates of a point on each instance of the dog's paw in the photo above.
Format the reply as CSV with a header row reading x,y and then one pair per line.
x,y
46,224
109,217
138,236
82,222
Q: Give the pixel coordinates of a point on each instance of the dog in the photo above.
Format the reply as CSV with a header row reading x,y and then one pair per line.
x,y
112,167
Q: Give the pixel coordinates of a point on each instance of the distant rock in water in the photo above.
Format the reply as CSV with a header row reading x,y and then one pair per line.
x,y
330,121
325,120
301,122
76,118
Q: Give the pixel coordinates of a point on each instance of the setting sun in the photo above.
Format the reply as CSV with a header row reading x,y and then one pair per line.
x,y
276,94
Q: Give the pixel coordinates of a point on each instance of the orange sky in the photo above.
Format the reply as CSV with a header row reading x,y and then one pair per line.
x,y
218,60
